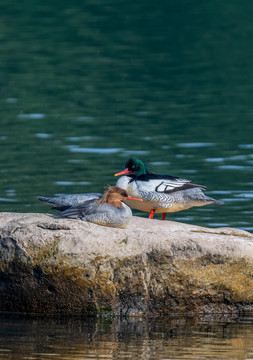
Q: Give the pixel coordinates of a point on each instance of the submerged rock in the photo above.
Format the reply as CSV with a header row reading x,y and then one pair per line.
x,y
61,266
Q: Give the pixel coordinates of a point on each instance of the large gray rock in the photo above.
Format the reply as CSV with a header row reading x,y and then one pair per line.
x,y
62,266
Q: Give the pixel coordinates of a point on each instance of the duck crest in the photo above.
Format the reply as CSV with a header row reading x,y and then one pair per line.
x,y
112,197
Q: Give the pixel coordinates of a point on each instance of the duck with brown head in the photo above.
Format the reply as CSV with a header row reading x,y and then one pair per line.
x,y
107,209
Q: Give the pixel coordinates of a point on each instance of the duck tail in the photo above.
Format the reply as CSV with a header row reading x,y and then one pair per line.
x,y
198,195
218,202
214,201
43,198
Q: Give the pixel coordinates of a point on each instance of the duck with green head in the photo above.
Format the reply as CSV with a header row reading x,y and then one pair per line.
x,y
160,193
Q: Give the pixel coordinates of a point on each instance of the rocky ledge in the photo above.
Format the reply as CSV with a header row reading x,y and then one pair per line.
x,y
61,266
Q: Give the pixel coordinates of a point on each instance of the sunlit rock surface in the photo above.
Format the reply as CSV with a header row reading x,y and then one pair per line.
x,y
61,266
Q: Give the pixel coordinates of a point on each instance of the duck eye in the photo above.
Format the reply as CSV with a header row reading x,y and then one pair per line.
x,y
133,166
123,194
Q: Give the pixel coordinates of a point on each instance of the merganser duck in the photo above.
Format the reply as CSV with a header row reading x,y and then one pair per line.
x,y
106,209
160,193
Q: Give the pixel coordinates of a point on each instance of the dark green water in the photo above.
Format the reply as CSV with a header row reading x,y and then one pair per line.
x,y
151,339
86,85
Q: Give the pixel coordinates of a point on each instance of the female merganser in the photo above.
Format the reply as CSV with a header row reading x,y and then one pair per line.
x,y
107,209
160,193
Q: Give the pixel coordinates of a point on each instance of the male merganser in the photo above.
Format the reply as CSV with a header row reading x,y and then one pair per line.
x,y
106,209
160,193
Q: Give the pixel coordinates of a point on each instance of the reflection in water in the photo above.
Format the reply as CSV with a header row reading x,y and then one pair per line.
x,y
110,338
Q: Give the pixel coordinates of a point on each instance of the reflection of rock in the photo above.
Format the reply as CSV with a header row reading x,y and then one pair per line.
x,y
63,266
159,337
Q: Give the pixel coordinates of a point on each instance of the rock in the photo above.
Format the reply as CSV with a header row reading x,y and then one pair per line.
x,y
50,265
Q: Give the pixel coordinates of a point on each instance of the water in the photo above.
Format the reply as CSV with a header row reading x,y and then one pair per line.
x,y
107,338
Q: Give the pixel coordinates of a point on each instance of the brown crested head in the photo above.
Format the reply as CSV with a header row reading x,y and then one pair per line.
x,y
113,196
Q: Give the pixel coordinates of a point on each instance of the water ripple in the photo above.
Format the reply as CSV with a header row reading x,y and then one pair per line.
x,y
245,146
214,159
31,116
102,151
11,100
43,135
70,183
134,152
218,224
160,163
80,138
234,167
10,192
7,200
82,118
196,145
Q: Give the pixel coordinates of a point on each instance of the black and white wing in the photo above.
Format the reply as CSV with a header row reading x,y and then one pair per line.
x,y
169,186
164,183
